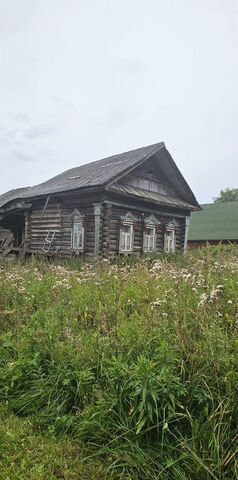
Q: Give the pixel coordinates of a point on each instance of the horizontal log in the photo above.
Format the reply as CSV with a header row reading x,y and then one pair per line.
x,y
38,216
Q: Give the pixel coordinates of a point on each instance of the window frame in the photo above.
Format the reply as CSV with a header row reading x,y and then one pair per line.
x,y
153,227
126,235
166,249
128,220
151,222
77,219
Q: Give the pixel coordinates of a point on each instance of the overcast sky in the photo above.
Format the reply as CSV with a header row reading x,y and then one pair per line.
x,y
84,79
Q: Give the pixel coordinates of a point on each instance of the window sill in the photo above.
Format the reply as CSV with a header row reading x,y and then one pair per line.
x,y
129,252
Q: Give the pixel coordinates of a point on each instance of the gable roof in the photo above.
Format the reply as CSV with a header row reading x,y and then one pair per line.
x,y
98,174
216,221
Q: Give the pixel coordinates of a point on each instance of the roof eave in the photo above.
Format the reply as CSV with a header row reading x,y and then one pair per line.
x,y
94,188
149,200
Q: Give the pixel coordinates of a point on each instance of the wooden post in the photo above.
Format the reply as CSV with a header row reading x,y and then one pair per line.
x,y
97,219
187,221
27,230
106,226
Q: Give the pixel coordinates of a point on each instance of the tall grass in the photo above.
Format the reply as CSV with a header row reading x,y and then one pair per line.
x,y
137,361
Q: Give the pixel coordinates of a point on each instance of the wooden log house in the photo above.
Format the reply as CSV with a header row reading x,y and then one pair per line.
x,y
128,204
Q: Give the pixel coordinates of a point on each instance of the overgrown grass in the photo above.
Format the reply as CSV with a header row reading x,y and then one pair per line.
x,y
127,371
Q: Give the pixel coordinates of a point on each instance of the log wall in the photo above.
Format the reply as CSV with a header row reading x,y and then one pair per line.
x,y
86,209
40,223
111,226
57,216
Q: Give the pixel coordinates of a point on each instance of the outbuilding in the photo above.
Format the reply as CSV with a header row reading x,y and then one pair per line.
x,y
215,223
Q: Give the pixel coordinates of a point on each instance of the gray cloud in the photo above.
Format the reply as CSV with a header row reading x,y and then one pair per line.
x,y
22,118
99,78
35,132
21,156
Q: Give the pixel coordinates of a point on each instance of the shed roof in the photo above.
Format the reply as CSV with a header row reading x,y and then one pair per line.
x,y
102,173
216,221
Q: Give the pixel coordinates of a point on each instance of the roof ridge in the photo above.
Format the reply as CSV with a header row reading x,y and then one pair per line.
x,y
110,157
128,151
218,203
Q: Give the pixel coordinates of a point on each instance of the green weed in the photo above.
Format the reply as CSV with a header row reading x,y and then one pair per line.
x,y
129,369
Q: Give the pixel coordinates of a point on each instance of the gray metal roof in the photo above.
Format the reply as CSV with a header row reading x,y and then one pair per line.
x,y
159,198
90,175
12,195
103,173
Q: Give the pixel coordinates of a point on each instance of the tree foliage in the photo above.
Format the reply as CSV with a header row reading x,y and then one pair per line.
x,y
227,195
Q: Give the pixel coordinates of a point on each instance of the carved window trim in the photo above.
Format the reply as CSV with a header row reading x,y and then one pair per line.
x,y
129,218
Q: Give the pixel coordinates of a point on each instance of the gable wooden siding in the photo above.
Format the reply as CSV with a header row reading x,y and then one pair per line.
x,y
150,176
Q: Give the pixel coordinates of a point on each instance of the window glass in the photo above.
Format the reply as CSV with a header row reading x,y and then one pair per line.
x,y
126,232
149,231
77,236
169,241
123,242
126,229
149,239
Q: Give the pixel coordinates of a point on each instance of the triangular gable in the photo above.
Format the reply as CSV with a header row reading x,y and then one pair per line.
x,y
164,171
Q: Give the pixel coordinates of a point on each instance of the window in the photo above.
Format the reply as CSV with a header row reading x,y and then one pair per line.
x,y
169,240
149,173
126,233
151,224
149,244
77,236
77,231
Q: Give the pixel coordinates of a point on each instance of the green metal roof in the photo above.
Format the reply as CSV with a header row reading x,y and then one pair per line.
x,y
216,221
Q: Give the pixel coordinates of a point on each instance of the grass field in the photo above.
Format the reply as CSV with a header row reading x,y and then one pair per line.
x,y
120,371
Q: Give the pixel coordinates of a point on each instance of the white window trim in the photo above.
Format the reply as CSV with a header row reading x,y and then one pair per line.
x,y
153,227
81,248
131,235
166,249
77,219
